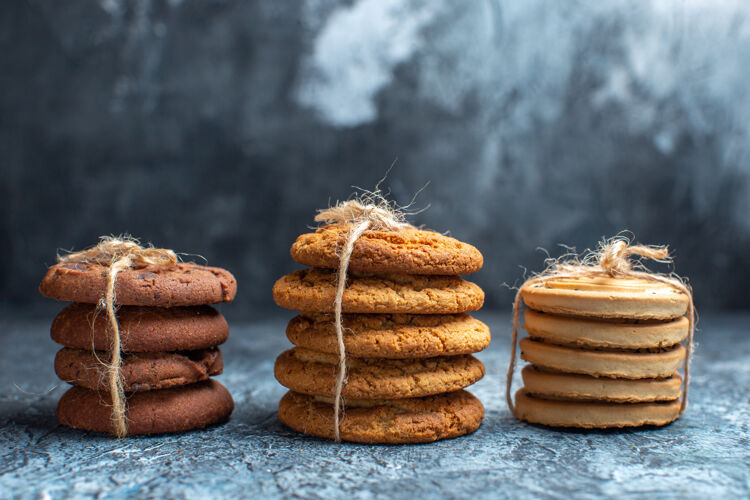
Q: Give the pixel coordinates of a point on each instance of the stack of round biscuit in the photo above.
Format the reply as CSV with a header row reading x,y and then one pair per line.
x,y
408,338
169,343
604,352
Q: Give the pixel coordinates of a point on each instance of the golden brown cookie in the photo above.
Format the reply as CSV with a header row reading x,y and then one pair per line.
x,y
633,298
179,409
566,386
182,284
314,373
142,329
410,251
417,420
314,290
589,415
140,371
618,364
589,332
393,336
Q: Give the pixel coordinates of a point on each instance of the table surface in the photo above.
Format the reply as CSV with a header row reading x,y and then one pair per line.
x,y
705,453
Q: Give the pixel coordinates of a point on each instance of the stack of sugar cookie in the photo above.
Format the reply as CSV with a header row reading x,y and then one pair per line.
x,y
407,335
604,352
169,338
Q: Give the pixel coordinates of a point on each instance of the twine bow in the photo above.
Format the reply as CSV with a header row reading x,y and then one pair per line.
x,y
118,254
372,212
612,260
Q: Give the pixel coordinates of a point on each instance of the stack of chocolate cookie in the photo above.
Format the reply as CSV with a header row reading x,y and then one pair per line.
x,y
169,343
604,352
407,335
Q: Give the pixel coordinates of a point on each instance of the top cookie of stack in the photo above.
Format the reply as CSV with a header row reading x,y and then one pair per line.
x,y
169,340
604,352
407,336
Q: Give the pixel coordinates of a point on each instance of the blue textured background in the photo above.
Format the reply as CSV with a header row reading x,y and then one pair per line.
x,y
705,454
218,127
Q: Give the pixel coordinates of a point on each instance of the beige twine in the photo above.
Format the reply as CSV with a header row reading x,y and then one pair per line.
x,y
611,260
118,254
371,212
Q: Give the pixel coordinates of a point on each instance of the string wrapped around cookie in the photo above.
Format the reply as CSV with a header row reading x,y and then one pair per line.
x,y
117,254
610,260
368,212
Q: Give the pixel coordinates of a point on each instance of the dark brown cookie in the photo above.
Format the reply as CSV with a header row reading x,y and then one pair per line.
x,y
416,420
140,371
409,251
182,284
142,329
180,409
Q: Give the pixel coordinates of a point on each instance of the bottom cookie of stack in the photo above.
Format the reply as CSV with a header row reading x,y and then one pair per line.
x,y
593,415
395,421
178,409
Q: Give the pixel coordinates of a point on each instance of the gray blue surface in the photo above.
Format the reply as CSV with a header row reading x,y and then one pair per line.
x,y
705,454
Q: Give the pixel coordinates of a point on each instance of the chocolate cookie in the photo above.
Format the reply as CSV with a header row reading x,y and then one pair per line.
x,y
181,284
140,371
179,409
314,290
589,332
631,298
314,373
417,420
393,336
618,364
410,251
587,415
566,386
142,329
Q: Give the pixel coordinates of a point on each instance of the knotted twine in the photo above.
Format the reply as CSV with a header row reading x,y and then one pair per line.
x,y
610,260
371,212
117,254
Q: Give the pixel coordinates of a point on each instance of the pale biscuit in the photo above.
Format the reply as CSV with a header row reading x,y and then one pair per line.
x,y
392,336
314,290
403,421
566,386
589,415
590,332
409,251
617,364
314,373
625,297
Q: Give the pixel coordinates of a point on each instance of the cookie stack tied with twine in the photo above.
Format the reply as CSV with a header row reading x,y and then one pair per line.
x,y
604,341
140,342
383,341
